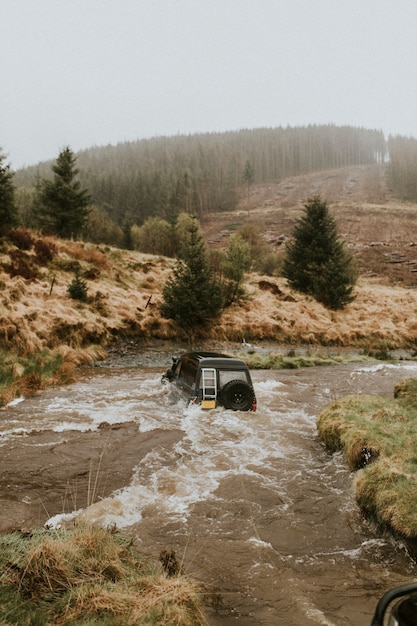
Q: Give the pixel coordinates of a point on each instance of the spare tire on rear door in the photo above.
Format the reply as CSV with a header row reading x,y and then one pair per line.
x,y
237,395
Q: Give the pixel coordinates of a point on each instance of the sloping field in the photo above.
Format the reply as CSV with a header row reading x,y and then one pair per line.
x,y
380,231
123,299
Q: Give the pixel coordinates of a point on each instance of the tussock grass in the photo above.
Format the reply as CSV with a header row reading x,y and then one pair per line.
x,y
89,575
26,374
380,314
378,436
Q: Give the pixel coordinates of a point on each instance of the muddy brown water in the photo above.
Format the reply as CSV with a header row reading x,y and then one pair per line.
x,y
252,504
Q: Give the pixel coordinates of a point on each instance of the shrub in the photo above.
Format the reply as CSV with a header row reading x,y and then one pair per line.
x,y
21,265
44,251
21,238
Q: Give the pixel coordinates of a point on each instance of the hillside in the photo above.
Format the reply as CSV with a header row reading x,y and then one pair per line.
x,y
202,173
124,287
381,231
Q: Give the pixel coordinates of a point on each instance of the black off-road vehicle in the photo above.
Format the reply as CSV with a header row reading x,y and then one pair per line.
x,y
212,379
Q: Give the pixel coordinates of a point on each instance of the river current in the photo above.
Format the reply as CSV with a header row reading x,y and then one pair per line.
x,y
252,503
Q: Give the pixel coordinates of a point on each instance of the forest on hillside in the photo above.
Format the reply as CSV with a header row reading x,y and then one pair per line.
x,y
402,167
202,173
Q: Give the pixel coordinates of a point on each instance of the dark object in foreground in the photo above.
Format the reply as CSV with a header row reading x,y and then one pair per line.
x,y
403,613
212,379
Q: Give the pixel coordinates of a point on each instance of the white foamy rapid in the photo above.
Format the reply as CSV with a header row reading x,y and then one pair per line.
x,y
85,405
216,444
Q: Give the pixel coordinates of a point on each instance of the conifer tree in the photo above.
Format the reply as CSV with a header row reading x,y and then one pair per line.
x,y
61,205
317,262
8,214
192,297
248,174
77,289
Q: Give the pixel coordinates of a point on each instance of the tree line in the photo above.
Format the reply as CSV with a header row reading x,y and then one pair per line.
x,y
402,167
201,173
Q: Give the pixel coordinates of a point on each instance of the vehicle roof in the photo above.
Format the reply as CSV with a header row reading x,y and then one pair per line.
x,y
213,359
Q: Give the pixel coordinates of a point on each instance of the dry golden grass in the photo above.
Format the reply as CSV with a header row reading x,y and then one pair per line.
x,y
90,575
124,297
379,315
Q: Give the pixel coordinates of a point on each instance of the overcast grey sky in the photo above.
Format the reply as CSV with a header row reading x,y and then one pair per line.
x,y
94,72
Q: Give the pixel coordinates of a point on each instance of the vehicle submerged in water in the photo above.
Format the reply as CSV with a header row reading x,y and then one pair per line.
x,y
212,379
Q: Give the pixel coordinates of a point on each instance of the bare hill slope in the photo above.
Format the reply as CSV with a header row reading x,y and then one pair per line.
x,y
380,230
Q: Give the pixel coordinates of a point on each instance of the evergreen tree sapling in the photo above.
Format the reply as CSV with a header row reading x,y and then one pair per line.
x,y
192,297
317,262
8,213
77,289
62,207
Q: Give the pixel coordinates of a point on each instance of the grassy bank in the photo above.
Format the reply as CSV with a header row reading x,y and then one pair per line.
x,y
25,374
378,436
294,359
87,576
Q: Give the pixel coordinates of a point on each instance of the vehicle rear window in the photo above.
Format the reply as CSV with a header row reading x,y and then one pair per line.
x,y
227,375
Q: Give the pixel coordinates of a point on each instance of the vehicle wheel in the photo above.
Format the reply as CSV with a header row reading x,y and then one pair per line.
x,y
237,395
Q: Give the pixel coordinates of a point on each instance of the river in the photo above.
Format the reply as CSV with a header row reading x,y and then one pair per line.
x,y
252,504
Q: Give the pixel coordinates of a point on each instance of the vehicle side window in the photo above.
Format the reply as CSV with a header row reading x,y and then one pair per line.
x,y
226,376
176,370
188,373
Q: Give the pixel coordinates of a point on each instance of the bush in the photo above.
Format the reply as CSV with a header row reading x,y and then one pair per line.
x,y
21,238
21,265
44,251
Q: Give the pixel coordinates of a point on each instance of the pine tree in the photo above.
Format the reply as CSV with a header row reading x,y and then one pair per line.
x,y
8,213
192,297
77,289
61,205
248,174
317,262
